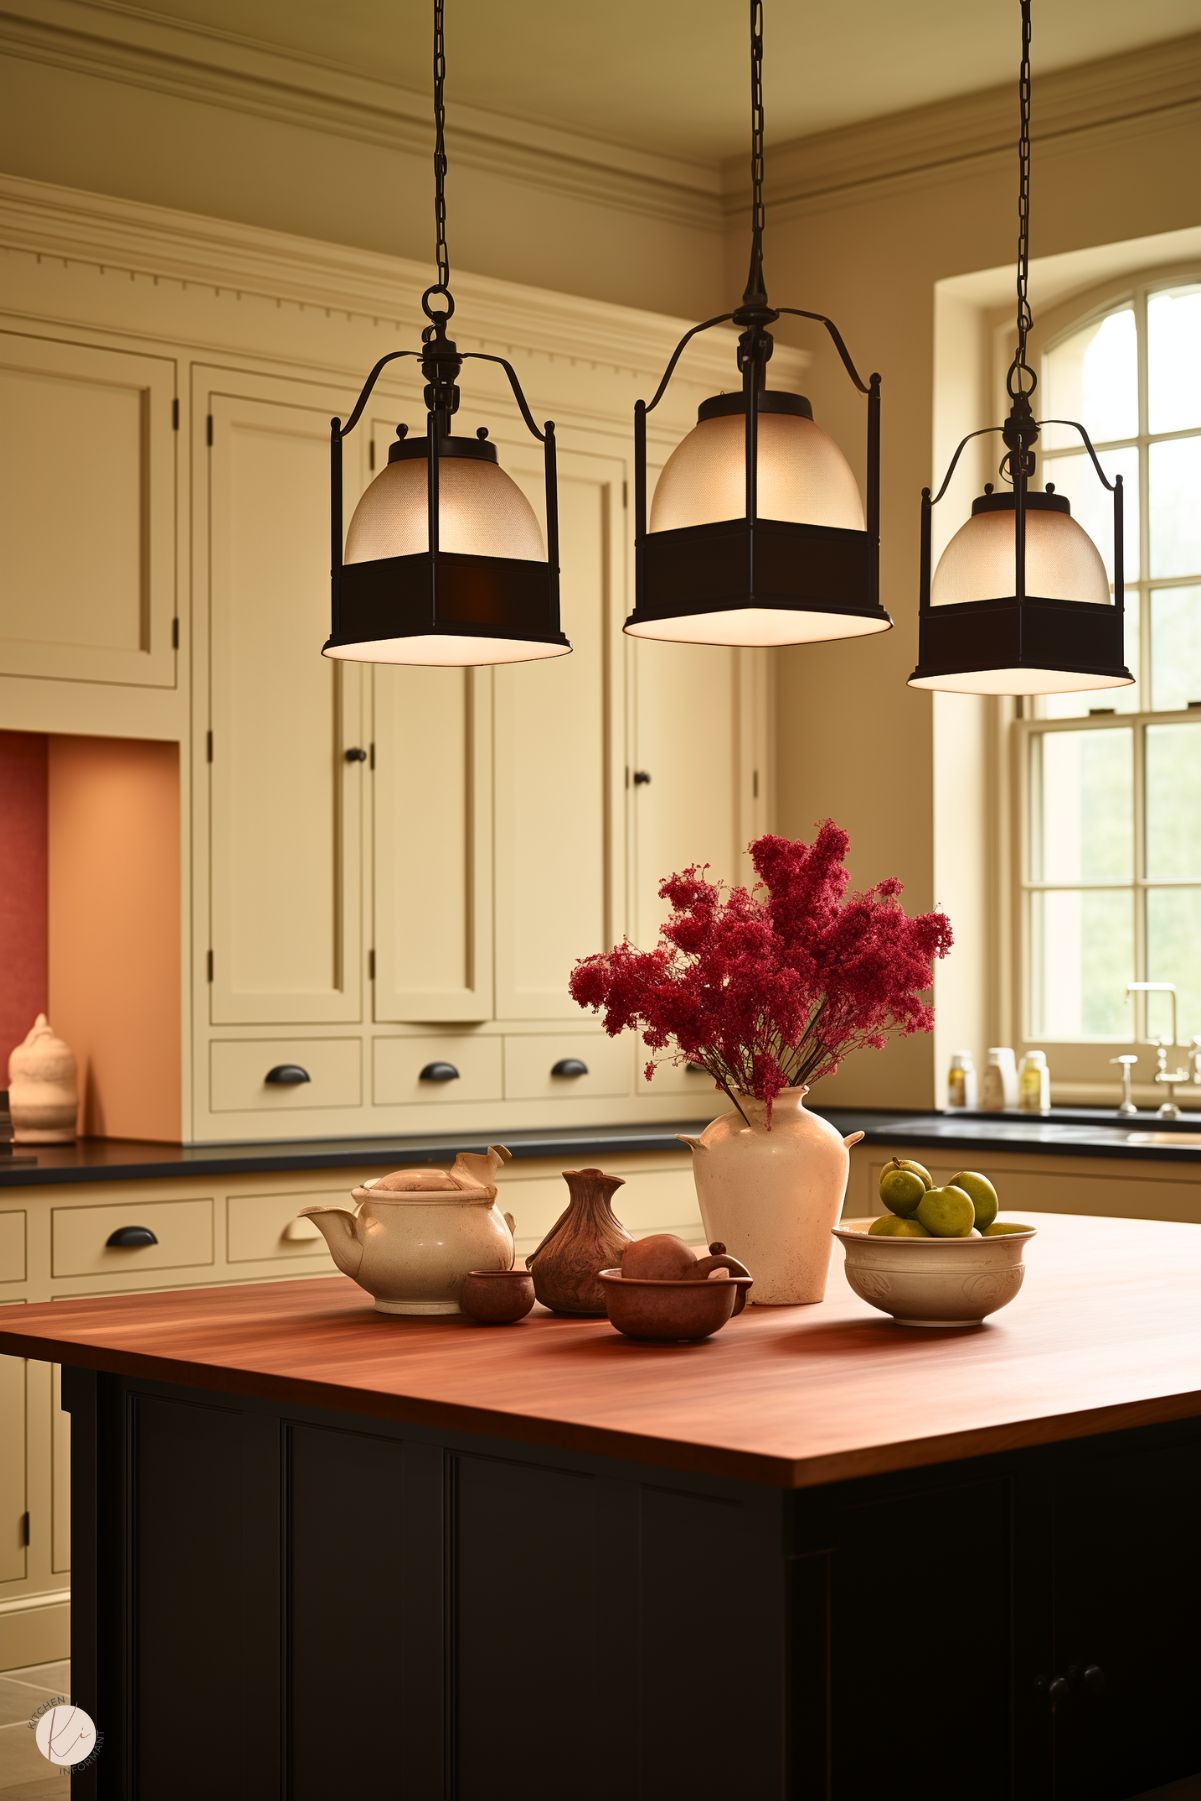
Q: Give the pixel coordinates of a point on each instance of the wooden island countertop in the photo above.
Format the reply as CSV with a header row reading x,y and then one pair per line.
x,y
1105,1335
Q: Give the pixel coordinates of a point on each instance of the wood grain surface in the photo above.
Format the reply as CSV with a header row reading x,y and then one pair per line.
x,y
1105,1335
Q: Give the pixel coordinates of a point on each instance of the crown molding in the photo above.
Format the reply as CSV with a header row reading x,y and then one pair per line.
x,y
142,49
223,256
1157,81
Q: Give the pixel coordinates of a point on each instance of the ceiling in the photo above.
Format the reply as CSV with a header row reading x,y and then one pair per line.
x,y
669,76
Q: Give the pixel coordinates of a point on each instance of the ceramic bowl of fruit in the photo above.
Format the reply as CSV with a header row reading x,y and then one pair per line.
x,y
938,1256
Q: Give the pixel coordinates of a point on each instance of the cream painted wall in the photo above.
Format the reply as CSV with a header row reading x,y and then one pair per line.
x,y
896,768
140,142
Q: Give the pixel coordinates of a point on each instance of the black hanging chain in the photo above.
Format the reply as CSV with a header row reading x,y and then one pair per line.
x,y
755,290
1025,319
441,287
1020,431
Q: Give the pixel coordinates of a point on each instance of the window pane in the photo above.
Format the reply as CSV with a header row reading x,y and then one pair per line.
x,y
1082,807
1092,505
1083,957
1174,359
1116,700
1175,649
1174,477
1174,804
1093,377
1173,938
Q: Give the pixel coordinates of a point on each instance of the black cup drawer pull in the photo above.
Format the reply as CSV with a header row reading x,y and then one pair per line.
x,y
129,1238
287,1075
439,1072
570,1066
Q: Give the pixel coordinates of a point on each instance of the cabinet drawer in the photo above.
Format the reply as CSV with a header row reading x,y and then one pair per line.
x,y
414,1070
586,1065
265,1226
12,1245
182,1232
278,1074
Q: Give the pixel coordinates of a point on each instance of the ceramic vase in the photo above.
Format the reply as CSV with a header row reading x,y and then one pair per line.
x,y
43,1093
772,1197
585,1239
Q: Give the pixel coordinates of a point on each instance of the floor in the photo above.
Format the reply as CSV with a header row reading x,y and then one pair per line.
x,y
24,1773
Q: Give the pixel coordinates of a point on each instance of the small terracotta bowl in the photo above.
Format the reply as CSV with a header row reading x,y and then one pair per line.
x,y
497,1297
672,1312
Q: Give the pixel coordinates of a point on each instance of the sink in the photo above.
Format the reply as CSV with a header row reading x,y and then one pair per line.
x,y
1166,1137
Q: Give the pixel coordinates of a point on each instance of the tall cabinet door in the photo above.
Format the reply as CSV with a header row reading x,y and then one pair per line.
x,y
286,800
431,833
87,512
698,758
559,761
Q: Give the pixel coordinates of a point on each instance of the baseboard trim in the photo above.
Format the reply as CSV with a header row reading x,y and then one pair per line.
x,y
35,1629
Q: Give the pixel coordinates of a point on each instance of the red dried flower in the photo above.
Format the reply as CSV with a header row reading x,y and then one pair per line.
x,y
771,987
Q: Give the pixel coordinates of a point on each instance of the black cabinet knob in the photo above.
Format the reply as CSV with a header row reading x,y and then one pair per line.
x,y
641,777
1092,1680
287,1075
569,1066
439,1072
128,1238
356,754
1057,1690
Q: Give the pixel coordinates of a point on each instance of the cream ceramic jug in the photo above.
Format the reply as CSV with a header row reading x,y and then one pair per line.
x,y
772,1196
43,1093
415,1235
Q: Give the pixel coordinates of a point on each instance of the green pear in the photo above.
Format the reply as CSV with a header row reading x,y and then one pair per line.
x,y
889,1226
984,1195
901,1190
947,1213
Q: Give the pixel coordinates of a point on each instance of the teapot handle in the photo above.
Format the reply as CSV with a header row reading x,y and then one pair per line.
x,y
719,1258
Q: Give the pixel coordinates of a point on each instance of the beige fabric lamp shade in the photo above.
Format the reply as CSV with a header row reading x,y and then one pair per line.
x,y
803,475
803,479
481,512
1062,563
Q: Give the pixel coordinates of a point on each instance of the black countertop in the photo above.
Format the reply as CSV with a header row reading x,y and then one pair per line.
x,y
1069,1133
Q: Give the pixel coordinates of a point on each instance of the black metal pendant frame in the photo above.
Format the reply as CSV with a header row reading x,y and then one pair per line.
x,y
1020,630
776,565
436,592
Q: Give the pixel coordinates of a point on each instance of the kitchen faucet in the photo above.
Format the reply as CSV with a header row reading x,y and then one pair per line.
x,y
1170,1078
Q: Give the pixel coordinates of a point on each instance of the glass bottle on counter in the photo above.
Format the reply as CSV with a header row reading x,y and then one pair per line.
x,y
1034,1083
962,1088
1000,1080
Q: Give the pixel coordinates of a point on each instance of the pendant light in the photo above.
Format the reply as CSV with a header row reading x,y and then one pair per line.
x,y
444,561
1020,601
757,534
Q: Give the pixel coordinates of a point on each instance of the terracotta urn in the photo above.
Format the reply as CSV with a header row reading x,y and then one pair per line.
x,y
417,1234
773,1196
585,1239
43,1089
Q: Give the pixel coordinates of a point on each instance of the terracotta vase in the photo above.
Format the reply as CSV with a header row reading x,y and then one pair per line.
x,y
43,1091
773,1197
584,1240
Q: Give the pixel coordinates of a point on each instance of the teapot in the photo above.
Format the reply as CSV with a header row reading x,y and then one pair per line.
x,y
416,1234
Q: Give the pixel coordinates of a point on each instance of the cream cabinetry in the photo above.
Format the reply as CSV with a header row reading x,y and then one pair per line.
x,y
365,854
87,512
285,787
1028,1181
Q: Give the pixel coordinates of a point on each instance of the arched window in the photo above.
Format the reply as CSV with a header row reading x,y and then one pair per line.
x,y
1109,827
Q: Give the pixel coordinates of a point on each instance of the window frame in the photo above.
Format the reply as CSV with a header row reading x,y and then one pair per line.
x,y
1081,1069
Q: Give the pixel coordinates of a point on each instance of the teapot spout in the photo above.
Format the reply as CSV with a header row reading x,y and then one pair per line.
x,y
340,1230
